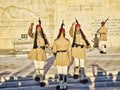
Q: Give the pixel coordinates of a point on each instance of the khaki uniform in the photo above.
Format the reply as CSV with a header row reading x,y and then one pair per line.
x,y
38,54
62,58
103,34
103,38
78,52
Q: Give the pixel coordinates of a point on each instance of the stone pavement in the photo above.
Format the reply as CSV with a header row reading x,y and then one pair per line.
x,y
106,66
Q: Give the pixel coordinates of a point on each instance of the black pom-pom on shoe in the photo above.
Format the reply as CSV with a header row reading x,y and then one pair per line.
x,y
75,76
57,87
37,78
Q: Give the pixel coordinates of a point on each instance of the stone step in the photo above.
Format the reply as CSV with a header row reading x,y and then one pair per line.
x,y
98,88
51,70
52,87
98,77
29,80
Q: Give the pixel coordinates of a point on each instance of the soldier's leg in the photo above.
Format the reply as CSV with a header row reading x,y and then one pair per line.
x,y
65,73
82,63
37,70
82,72
76,65
101,47
42,76
41,66
104,46
60,77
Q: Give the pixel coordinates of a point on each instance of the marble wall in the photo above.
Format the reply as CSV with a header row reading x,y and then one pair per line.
x,y
16,16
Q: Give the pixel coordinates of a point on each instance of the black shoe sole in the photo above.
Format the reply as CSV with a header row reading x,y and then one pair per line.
x,y
101,52
42,84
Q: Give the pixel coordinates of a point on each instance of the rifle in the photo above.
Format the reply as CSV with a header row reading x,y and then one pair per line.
x,y
83,35
43,35
39,21
103,24
76,21
62,24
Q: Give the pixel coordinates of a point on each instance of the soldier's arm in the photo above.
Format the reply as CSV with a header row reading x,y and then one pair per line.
x,y
70,52
102,30
99,31
71,32
86,45
46,40
54,49
30,30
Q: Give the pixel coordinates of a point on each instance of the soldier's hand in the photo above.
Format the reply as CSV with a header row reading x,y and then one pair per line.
x,y
73,23
46,45
89,46
54,54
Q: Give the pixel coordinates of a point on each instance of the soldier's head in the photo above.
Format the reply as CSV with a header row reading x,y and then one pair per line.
x,y
38,28
102,23
77,27
61,32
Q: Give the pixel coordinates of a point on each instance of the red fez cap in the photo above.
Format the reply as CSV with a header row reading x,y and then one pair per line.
x,y
102,22
38,25
77,25
62,30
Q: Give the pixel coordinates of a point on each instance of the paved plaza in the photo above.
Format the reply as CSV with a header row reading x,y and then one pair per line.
x,y
16,64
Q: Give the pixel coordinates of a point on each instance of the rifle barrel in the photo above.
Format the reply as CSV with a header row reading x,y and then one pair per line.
x,y
39,21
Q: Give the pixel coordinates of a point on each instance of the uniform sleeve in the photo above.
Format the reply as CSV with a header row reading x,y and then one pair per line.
x,y
71,32
85,44
45,36
70,52
102,30
46,39
54,48
30,33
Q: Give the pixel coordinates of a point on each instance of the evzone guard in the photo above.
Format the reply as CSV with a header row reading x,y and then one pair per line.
x,y
102,31
62,50
38,54
79,45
